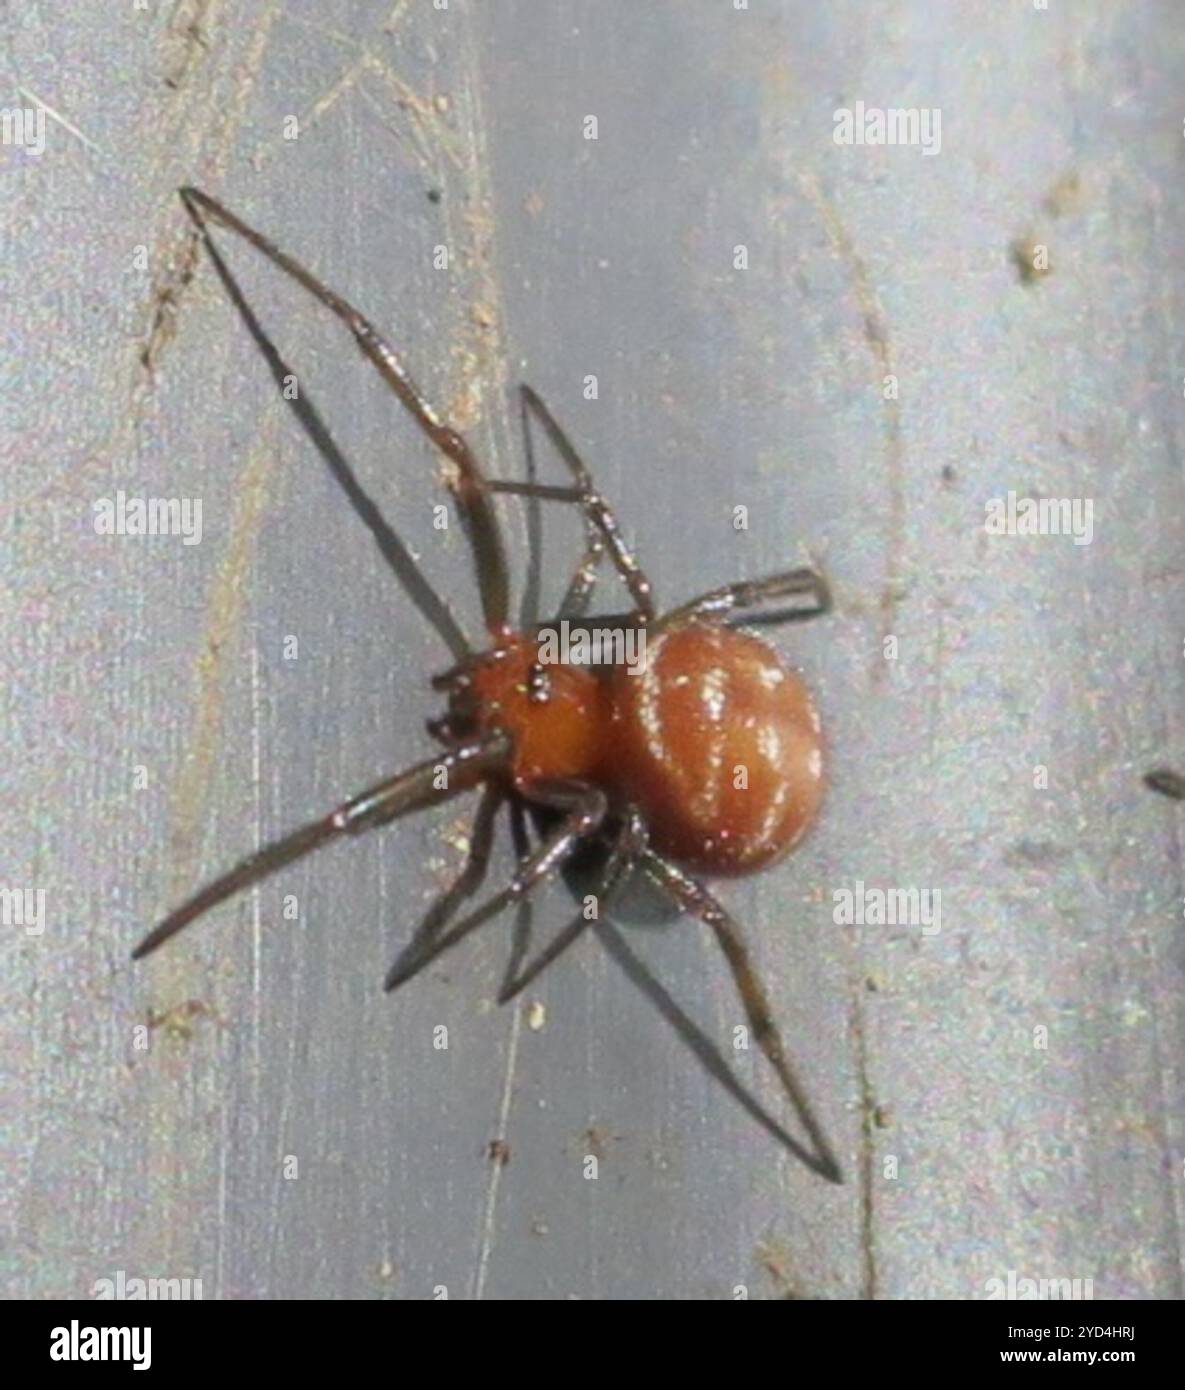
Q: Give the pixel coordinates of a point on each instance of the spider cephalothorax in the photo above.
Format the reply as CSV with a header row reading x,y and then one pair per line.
x,y
704,755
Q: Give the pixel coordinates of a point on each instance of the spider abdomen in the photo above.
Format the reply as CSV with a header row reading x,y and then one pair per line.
x,y
718,744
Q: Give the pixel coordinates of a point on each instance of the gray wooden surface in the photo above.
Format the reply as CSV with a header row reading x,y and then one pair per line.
x,y
970,1149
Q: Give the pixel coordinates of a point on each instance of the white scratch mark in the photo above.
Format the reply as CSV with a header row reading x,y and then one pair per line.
x,y
61,120
345,81
256,912
487,1232
223,1150
389,25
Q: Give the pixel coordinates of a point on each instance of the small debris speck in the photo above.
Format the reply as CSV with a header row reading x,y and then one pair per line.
x,y
1167,782
536,1016
178,1021
1065,197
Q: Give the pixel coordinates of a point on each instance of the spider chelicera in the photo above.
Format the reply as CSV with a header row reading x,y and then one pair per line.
x,y
707,761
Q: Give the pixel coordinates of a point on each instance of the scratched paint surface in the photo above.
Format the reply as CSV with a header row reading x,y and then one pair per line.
x,y
288,1131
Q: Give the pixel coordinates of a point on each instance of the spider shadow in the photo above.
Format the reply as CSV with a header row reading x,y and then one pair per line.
x,y
637,902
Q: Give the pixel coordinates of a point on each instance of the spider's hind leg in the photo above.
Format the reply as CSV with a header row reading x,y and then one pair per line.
x,y
794,596
696,899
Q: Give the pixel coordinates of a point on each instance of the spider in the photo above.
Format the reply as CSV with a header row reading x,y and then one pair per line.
x,y
707,761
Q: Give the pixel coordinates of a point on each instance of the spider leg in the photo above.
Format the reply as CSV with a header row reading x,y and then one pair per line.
x,y
533,404
516,980
578,595
709,1055
467,882
413,790
696,899
750,600
393,550
580,588
629,843
599,515
533,578
585,808
472,489
600,523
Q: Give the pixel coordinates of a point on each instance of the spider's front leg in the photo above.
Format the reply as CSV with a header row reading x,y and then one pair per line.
x,y
628,845
601,524
417,789
472,491
467,882
584,808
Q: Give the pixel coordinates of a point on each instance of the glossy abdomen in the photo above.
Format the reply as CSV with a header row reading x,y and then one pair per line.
x,y
719,746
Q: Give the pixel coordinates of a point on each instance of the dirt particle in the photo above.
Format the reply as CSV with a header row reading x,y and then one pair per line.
x,y
775,1260
498,1151
594,1139
1065,197
186,42
167,294
536,1016
1028,853
177,1022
